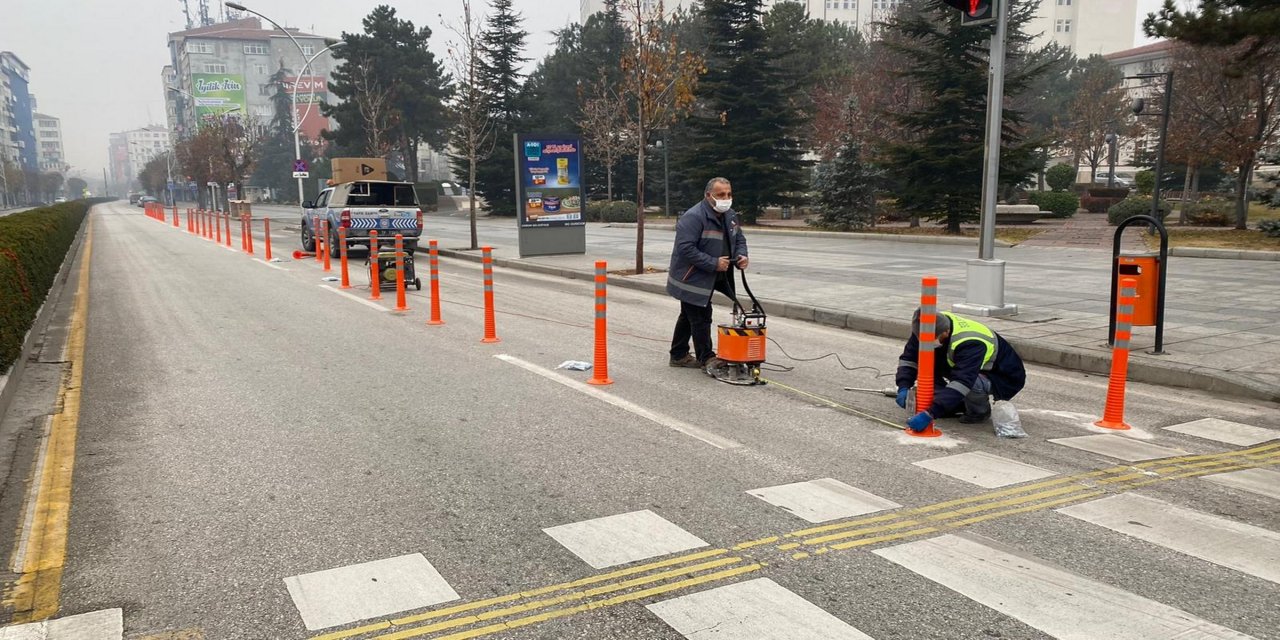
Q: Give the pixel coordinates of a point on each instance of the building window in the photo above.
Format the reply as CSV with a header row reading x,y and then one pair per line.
x,y
256,49
222,68
1063,26
199,47
308,50
48,134
1064,3
260,69
266,90
881,5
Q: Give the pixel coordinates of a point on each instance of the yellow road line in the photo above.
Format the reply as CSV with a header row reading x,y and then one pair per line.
x,y
35,595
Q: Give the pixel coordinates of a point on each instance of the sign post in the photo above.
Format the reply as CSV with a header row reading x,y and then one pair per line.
x,y
549,196
300,169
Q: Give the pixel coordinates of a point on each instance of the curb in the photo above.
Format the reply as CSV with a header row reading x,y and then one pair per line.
x,y
1224,254
842,235
8,379
1140,370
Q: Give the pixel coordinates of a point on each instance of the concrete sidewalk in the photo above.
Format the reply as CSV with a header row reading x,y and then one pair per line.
x,y
1220,332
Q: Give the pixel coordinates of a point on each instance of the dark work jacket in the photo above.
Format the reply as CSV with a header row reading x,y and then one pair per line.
x,y
699,234
1008,375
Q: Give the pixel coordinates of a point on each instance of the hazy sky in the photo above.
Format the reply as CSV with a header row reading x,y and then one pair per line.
x,y
96,64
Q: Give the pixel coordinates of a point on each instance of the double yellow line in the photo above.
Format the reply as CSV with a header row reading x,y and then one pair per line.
x,y
478,618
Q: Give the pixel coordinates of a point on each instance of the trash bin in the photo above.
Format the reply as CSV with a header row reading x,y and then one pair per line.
x,y
1146,268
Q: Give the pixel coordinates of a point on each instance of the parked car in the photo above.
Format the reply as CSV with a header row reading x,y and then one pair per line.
x,y
59,199
133,198
360,206
144,200
1121,181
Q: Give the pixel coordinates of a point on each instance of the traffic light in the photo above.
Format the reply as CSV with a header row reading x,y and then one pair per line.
x,y
974,12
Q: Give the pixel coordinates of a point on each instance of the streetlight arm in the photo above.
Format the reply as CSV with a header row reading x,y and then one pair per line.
x,y
311,95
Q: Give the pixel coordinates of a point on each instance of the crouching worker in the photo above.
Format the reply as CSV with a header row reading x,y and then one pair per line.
x,y
972,362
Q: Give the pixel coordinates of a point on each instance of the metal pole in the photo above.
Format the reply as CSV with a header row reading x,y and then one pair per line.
x,y
1164,133
666,183
984,284
1111,160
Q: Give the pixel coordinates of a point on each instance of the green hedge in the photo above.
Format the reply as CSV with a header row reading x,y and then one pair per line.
x,y
32,246
1210,213
1135,206
1061,204
611,211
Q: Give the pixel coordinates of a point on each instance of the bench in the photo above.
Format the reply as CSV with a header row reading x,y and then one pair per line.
x,y
1018,213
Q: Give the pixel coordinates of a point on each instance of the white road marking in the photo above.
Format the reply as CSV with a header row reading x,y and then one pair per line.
x,y
985,469
759,609
367,303
1236,545
269,264
1242,435
708,437
1119,447
361,591
1055,601
823,500
627,537
107,624
1263,482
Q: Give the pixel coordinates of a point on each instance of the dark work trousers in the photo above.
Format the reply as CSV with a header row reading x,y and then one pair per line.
x,y
695,322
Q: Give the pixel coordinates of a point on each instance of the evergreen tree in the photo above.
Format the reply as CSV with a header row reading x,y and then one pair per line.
x,y
745,127
502,43
1221,23
937,172
275,168
846,189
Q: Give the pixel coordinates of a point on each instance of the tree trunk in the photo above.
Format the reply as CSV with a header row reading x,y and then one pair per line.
x,y
411,159
608,172
1242,194
1186,191
1195,184
471,191
915,222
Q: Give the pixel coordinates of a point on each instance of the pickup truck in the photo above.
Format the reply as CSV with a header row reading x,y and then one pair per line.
x,y
360,206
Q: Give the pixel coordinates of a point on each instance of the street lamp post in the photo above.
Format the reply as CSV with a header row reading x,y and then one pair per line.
x,y
1139,108
666,182
297,123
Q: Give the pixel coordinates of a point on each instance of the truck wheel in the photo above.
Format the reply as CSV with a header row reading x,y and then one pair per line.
x,y
308,240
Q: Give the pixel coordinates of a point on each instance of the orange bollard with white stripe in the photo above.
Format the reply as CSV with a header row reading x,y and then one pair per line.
x,y
266,238
925,355
435,283
227,217
342,258
401,305
319,239
248,227
490,324
1113,412
324,230
217,229
375,278
600,369
175,215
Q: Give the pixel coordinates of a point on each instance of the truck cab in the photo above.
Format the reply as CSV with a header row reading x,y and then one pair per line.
x,y
362,206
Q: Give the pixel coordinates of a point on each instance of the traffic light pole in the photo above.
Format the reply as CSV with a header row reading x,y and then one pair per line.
x,y
984,286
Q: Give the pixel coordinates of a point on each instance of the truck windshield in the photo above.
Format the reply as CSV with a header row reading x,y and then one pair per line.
x,y
381,194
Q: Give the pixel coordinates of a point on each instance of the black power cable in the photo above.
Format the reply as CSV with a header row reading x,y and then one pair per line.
x,y
784,368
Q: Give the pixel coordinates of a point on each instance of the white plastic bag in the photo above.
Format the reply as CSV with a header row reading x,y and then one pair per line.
x,y
1005,418
575,365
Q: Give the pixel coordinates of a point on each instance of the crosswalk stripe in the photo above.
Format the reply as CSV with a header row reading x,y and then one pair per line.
x,y
1119,447
361,591
1053,600
1226,431
759,609
627,537
1243,547
823,500
985,469
1263,482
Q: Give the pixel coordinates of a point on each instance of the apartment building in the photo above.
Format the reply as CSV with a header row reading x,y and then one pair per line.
x,y
130,151
18,142
224,70
50,155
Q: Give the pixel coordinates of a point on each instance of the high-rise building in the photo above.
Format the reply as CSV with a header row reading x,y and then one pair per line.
x,y
19,139
1084,26
49,153
130,151
225,69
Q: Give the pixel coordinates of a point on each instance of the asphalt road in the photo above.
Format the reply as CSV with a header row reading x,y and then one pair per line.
x,y
243,424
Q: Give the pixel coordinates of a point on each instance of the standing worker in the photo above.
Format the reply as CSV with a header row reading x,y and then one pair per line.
x,y
709,242
971,360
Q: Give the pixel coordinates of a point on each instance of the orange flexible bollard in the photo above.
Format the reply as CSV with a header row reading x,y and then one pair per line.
x,y
435,284
490,328
175,215
227,217
375,278
188,220
600,370
1113,412
248,227
202,218
266,238
925,356
401,305
324,230
244,235
342,257
319,239
217,224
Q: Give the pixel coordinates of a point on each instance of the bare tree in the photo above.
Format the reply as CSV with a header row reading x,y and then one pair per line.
x,y
473,133
1099,107
604,127
658,80
374,102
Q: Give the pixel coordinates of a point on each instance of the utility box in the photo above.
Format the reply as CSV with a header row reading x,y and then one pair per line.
x,y
1145,267
352,169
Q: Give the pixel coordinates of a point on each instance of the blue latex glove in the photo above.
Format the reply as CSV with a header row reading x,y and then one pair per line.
x,y
902,397
920,421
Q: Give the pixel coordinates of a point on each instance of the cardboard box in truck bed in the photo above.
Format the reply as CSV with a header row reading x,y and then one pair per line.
x,y
352,169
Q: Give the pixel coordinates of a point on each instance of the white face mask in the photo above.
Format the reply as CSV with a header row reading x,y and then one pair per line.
x,y
722,206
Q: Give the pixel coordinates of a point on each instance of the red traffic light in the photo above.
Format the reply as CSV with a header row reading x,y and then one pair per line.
x,y
974,12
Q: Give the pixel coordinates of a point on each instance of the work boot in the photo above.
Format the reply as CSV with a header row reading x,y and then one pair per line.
x,y
974,418
687,362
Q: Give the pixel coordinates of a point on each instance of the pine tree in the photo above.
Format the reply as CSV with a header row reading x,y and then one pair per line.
x,y
937,172
846,189
1221,23
745,127
502,43
275,168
